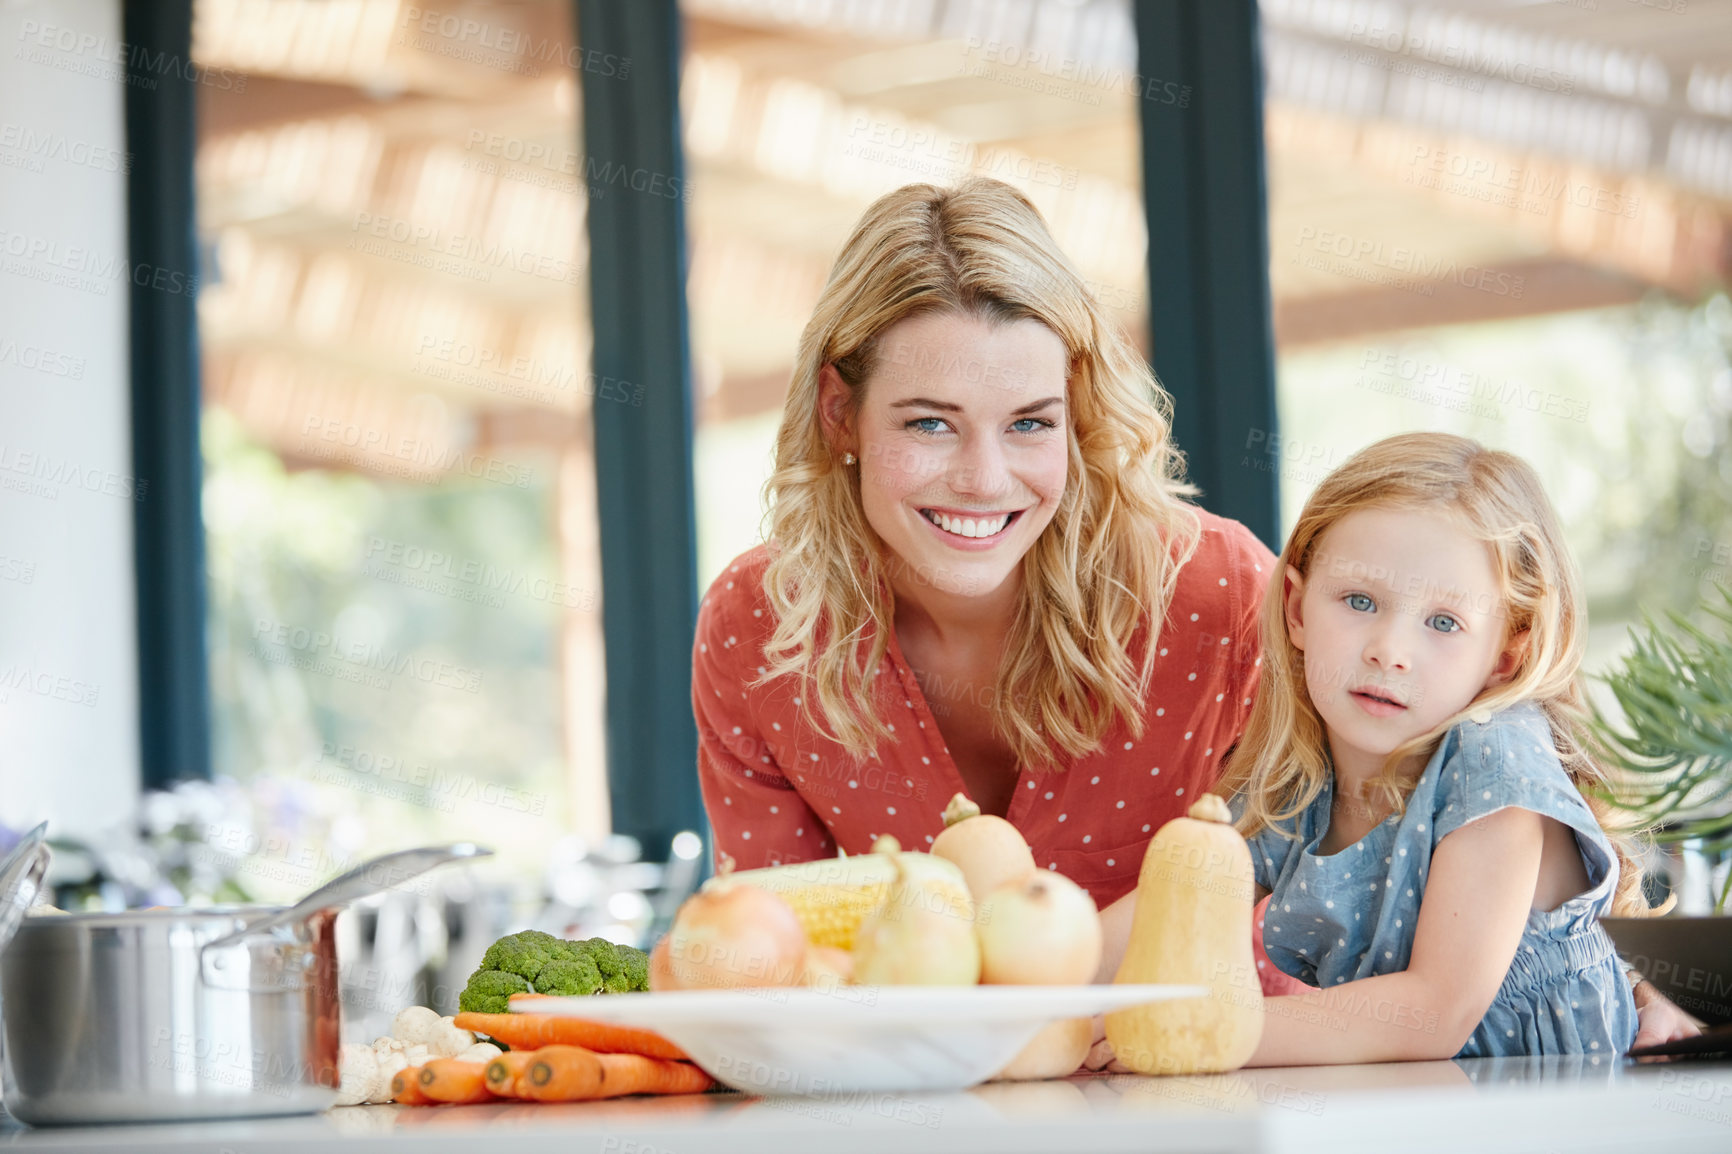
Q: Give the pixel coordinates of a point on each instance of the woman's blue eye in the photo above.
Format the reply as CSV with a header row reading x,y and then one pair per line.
x,y
1444,623
1037,422
1360,602
926,424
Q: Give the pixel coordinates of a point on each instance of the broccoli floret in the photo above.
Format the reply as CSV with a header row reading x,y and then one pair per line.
x,y
569,976
623,969
522,954
532,961
489,991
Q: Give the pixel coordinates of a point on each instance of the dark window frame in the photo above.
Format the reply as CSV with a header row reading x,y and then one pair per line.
x,y
1200,95
168,527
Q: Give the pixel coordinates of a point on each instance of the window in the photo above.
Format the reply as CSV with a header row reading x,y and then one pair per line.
x,y
405,637
1508,222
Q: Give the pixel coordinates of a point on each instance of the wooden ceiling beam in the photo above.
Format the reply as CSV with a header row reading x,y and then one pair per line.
x,y
1489,293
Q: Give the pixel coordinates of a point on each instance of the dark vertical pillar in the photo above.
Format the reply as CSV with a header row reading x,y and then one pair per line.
x,y
1201,101
629,77
173,677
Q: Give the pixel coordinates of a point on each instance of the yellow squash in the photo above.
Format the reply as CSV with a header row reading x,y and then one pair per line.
x,y
1192,926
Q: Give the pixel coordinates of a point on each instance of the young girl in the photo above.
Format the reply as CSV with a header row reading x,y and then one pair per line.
x,y
1412,777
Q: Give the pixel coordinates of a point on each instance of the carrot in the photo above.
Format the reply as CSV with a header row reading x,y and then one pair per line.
x,y
406,1087
503,1072
636,1074
562,1074
533,1031
448,1080
573,1074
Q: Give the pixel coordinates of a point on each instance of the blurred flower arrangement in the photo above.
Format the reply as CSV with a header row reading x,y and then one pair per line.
x,y
205,843
165,860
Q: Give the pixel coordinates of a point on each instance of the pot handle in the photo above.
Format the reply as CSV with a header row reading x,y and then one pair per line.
x,y
21,874
369,878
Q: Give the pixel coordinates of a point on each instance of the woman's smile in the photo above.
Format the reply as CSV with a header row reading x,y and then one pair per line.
x,y
971,530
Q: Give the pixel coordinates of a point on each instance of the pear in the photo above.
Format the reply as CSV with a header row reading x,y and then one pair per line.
x,y
923,935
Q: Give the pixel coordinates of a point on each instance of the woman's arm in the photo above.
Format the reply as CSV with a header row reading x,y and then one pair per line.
x,y
1115,936
757,816
1476,904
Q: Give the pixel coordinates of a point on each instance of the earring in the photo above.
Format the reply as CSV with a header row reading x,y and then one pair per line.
x,y
848,458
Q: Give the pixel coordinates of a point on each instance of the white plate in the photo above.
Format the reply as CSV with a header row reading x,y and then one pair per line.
x,y
855,1038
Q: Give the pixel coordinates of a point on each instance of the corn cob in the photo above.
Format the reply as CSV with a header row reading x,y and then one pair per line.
x,y
833,896
831,914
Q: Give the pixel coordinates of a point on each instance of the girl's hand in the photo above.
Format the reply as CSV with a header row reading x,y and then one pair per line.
x,y
1659,1018
1100,1058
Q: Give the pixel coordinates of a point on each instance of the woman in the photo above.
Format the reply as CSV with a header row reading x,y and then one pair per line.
x,y
973,454
981,576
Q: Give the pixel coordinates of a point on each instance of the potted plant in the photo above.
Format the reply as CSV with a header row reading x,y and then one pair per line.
x,y
1672,753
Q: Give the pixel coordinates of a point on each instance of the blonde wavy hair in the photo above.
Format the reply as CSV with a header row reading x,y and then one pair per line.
x,y
1281,762
1103,569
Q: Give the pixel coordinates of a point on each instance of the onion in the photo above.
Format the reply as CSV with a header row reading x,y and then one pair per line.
x,y
730,936
661,974
826,967
1040,931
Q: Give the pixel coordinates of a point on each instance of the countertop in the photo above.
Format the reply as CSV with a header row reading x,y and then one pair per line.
x,y
1491,1104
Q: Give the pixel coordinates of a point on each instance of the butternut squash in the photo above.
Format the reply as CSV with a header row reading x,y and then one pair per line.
x,y
1192,926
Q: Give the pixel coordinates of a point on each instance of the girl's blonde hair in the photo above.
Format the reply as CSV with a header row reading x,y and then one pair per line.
x,y
1102,570
1281,761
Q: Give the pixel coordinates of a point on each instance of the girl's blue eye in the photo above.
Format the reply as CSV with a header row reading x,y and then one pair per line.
x,y
1360,602
1444,623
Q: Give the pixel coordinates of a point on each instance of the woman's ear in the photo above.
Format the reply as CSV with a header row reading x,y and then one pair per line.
x,y
1510,660
835,410
1293,597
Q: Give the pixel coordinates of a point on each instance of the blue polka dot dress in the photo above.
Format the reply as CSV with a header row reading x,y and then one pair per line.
x,y
1349,915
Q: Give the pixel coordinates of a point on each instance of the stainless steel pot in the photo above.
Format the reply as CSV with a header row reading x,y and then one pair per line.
x,y
177,1014
112,1018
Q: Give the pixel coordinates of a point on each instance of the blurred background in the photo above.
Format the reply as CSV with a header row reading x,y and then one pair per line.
x,y
1503,218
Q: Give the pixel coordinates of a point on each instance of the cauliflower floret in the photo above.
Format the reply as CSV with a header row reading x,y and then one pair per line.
x,y
417,1024
446,1041
480,1052
389,1063
357,1072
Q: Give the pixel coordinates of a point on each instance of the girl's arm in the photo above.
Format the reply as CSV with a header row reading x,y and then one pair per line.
x,y
1476,903
1660,1019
